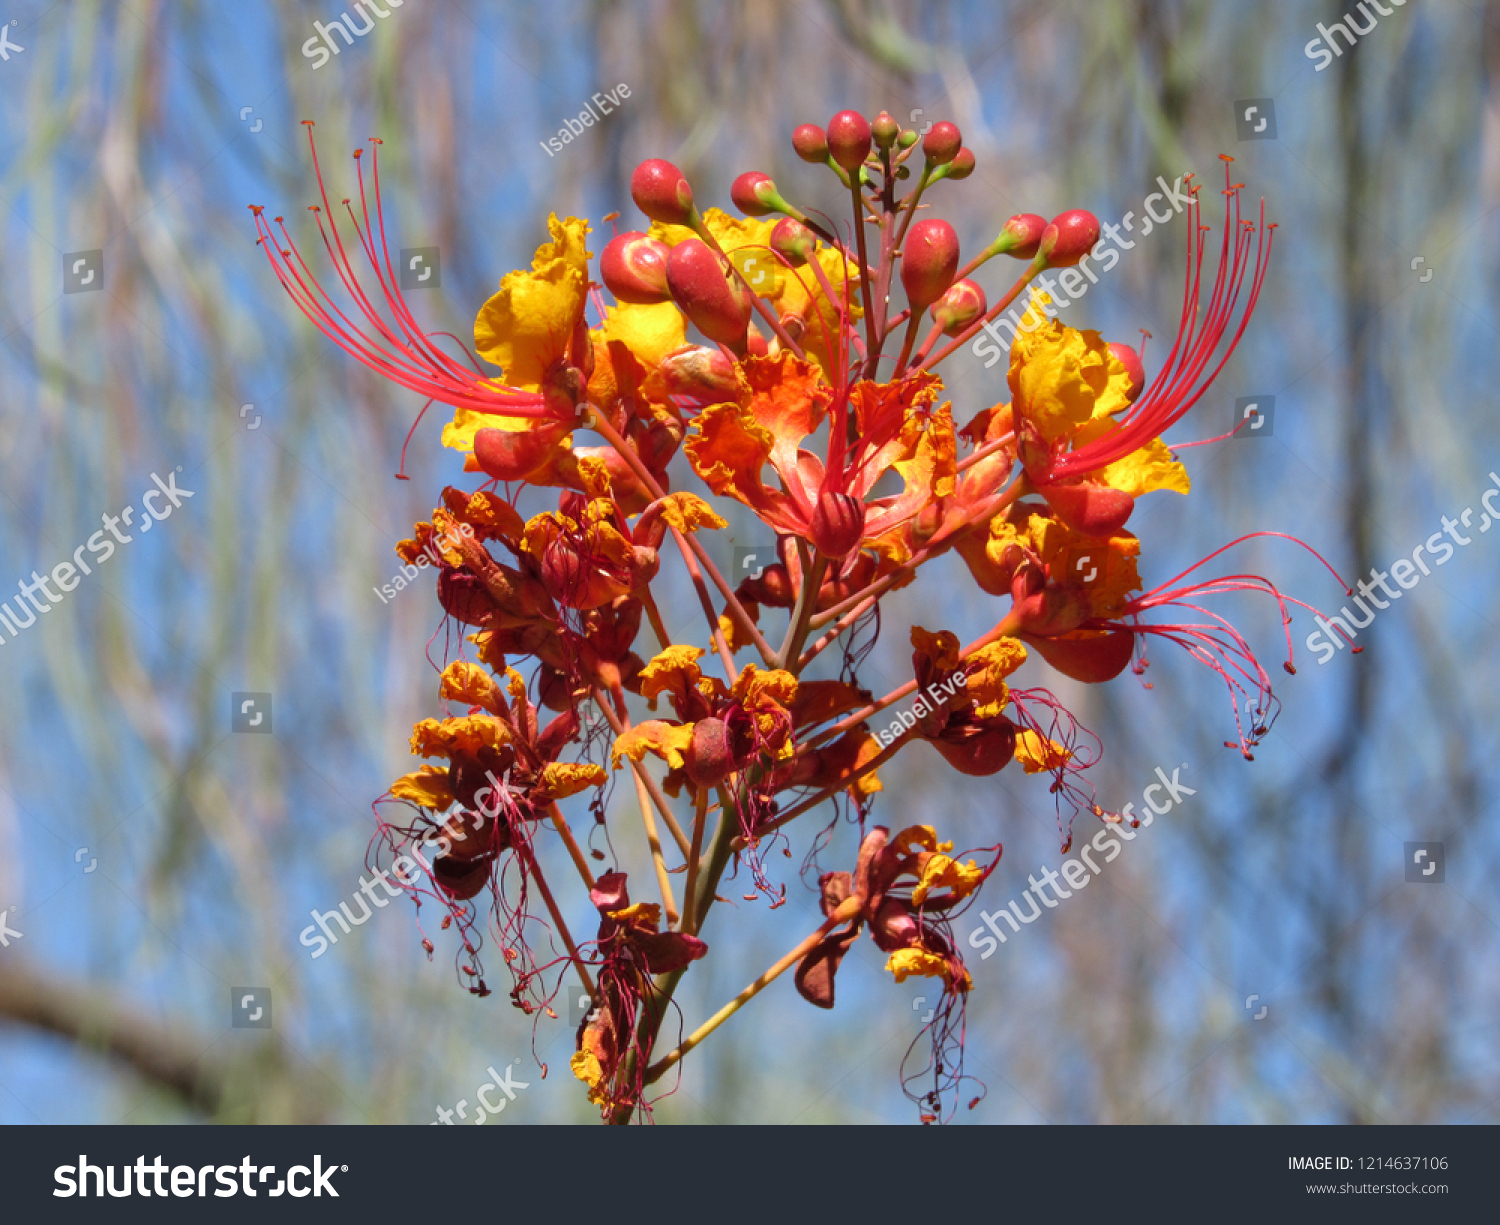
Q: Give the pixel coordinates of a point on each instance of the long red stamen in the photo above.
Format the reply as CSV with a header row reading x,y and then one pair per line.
x,y
1183,381
391,343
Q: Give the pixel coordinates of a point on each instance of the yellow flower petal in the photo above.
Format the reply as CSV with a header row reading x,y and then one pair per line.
x,y
640,914
667,740
907,963
561,779
674,670
470,684
941,872
1061,377
919,837
1037,753
466,736
687,512
986,685
426,787
528,324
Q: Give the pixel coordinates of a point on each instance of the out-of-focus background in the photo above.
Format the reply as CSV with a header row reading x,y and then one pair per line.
x,y
1268,950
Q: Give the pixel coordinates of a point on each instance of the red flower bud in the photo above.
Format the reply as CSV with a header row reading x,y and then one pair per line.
x,y
885,130
634,268
928,262
849,140
701,286
811,143
1136,372
963,303
793,241
660,191
1021,236
1069,237
838,523
962,165
942,143
755,195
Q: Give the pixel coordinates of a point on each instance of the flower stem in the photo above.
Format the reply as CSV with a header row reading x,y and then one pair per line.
x,y
846,911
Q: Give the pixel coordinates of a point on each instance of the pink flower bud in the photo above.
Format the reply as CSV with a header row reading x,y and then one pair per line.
x,y
838,523
885,130
849,140
960,306
1134,370
660,191
1069,237
701,286
755,195
634,268
1021,236
942,143
793,241
811,143
928,262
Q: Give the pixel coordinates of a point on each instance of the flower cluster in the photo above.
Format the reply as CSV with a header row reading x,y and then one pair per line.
x,y
754,366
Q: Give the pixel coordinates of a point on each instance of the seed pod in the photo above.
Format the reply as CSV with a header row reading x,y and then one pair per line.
x,y
885,130
634,268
